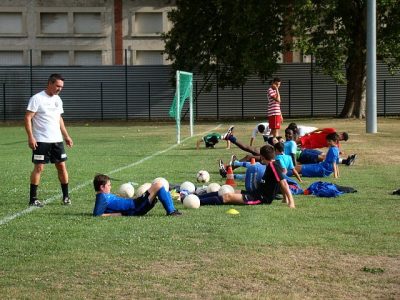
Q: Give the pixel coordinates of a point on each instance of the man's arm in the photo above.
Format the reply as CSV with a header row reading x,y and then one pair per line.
x,y
65,134
28,128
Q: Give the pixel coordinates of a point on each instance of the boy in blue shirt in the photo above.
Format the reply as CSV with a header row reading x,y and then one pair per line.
x,y
328,166
108,204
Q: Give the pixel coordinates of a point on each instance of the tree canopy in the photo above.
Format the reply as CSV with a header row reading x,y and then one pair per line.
x,y
235,39
231,38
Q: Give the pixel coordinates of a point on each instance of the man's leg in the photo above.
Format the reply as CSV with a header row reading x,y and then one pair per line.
x,y
63,178
34,183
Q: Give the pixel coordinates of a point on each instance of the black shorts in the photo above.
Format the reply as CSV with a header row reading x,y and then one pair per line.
x,y
49,153
143,204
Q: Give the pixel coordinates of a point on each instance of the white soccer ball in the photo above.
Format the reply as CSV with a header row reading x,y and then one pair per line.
x,y
141,189
126,190
226,188
164,182
191,201
203,176
188,186
213,187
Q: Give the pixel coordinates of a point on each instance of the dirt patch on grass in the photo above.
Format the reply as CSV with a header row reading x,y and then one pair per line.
x,y
282,273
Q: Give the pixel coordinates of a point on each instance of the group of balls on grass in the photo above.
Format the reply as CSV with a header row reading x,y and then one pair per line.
x,y
187,193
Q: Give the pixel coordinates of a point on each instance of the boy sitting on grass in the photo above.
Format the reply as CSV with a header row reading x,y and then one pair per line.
x,y
326,167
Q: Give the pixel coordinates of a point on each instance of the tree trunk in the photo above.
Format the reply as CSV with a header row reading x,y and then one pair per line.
x,y
355,91
355,103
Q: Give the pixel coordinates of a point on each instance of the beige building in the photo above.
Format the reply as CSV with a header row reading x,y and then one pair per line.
x,y
83,32
86,32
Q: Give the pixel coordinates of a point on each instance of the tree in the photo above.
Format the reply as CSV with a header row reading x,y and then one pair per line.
x,y
228,38
334,32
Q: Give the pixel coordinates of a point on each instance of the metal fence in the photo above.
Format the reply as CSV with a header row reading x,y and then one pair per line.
x,y
146,93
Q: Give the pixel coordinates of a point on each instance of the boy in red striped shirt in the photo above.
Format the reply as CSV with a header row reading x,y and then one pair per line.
x,y
274,107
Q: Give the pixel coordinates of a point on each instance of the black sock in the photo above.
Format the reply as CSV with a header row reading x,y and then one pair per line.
x,y
64,188
33,192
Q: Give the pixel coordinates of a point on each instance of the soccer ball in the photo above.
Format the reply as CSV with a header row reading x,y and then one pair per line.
x,y
142,189
126,190
191,201
188,186
226,188
203,176
164,182
213,187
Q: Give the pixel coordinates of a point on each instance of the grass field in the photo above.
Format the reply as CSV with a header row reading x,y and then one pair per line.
x,y
338,248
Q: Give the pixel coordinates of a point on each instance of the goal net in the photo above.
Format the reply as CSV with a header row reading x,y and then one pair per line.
x,y
184,91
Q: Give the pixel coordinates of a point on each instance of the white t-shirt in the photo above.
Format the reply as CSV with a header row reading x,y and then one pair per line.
x,y
46,121
303,130
265,133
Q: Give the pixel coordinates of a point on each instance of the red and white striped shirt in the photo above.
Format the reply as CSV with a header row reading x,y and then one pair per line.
x,y
274,107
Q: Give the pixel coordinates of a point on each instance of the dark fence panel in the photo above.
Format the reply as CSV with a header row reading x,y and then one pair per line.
x,y
146,93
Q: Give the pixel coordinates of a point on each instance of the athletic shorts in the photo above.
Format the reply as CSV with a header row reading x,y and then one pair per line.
x,y
309,156
49,153
250,198
143,205
314,170
275,122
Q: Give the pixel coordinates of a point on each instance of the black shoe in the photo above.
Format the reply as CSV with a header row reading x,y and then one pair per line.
x,y
222,170
351,159
233,158
36,202
228,134
278,197
66,201
396,192
175,213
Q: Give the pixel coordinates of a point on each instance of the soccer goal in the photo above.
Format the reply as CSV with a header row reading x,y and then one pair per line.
x,y
184,90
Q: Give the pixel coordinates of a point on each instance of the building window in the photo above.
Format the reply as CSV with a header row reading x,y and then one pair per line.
x,y
146,23
11,23
87,23
11,58
88,58
55,58
149,57
72,23
53,23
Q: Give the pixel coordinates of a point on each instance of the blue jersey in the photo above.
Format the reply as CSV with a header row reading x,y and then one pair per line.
x,y
331,157
111,203
290,147
254,174
286,161
322,169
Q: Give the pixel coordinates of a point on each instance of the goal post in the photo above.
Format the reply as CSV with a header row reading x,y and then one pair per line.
x,y
184,91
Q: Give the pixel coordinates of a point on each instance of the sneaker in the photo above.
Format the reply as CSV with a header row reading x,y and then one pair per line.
x,y
353,159
228,134
36,202
175,213
222,170
233,159
66,201
347,160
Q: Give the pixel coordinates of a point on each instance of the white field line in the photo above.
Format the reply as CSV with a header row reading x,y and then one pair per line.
x,y
9,218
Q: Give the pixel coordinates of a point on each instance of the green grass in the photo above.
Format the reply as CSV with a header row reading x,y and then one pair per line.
x,y
344,247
